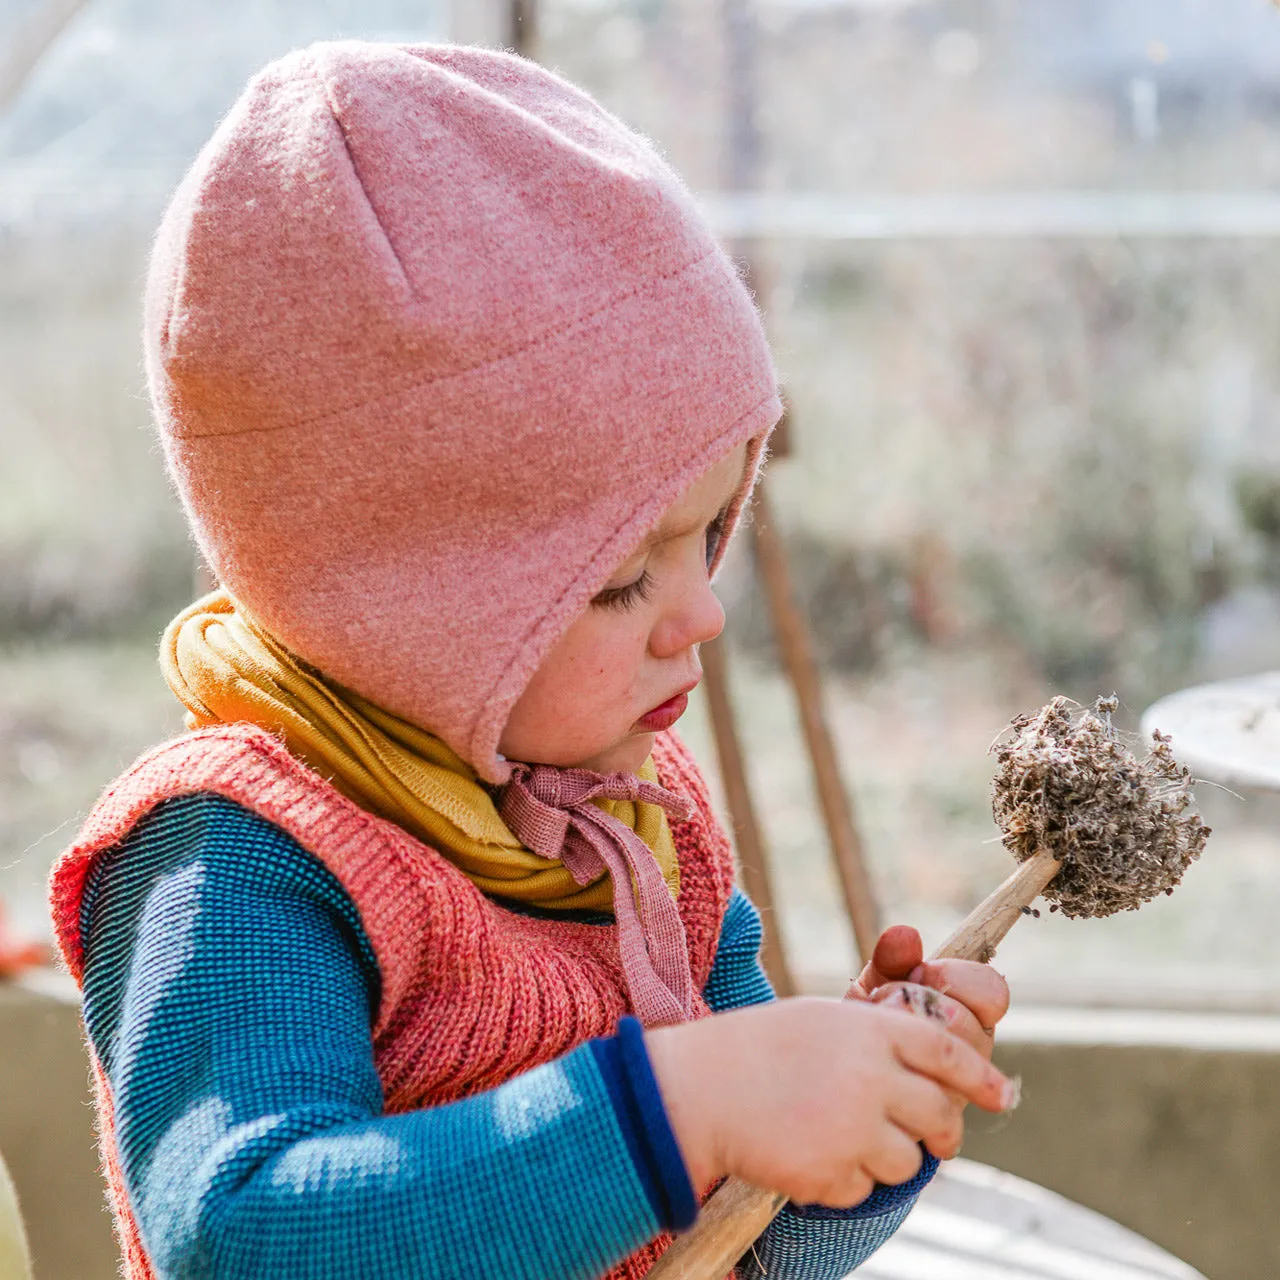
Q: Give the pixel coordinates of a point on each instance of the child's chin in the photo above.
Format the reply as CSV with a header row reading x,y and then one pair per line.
x,y
623,757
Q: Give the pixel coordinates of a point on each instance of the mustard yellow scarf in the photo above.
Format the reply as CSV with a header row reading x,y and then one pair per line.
x,y
224,668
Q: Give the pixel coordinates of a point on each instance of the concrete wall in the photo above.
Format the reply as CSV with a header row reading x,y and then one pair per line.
x,y
1169,1124
46,1135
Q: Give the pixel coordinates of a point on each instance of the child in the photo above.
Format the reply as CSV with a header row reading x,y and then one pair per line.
x,y
402,962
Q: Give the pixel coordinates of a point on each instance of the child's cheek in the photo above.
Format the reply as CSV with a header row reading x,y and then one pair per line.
x,y
619,649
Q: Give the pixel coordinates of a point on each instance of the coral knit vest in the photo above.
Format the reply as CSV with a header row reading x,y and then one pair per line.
x,y
472,993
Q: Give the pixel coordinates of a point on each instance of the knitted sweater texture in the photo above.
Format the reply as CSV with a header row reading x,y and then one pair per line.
x,y
345,982
471,994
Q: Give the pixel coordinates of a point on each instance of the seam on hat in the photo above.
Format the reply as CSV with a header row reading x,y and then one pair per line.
x,y
547,335
697,465
404,383
327,98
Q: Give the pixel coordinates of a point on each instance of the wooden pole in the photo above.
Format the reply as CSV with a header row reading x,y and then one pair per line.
x,y
747,836
483,22
522,33
741,158
745,156
797,657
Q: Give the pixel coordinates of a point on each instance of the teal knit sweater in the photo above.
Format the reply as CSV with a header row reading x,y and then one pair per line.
x,y
229,988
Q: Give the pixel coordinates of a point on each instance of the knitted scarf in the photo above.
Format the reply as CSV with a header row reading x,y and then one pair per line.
x,y
558,838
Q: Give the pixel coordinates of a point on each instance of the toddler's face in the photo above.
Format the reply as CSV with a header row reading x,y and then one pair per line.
x,y
621,672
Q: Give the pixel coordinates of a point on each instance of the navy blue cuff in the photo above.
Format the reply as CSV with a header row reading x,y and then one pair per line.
x,y
884,1199
628,1075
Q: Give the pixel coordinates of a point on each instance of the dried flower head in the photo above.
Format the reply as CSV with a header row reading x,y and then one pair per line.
x,y
1122,827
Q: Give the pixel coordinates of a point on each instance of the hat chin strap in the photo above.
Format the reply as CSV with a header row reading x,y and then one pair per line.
x,y
550,811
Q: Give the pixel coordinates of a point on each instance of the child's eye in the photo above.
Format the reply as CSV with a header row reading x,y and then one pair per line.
x,y
625,597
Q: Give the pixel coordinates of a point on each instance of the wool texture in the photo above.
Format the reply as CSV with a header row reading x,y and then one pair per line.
x,y
554,812
433,341
224,668
564,838
471,994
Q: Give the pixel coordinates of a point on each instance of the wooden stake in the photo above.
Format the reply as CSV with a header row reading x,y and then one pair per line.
x,y
744,157
797,656
738,1212
979,933
747,837
523,29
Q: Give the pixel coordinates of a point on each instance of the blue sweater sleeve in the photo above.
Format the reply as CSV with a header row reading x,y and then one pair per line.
x,y
804,1242
228,995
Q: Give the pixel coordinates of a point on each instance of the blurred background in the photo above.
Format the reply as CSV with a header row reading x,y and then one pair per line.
x,y
1018,262
1018,259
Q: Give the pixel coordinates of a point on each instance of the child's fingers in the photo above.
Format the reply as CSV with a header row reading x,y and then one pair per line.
x,y
928,1114
895,1158
926,1048
977,986
944,1010
843,1190
898,951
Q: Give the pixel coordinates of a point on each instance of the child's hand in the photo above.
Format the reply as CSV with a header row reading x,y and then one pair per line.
x,y
971,998
818,1099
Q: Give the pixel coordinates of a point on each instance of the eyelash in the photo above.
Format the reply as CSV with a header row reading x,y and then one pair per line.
x,y
638,591
625,597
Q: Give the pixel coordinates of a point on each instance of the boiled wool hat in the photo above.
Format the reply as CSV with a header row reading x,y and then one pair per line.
x,y
433,341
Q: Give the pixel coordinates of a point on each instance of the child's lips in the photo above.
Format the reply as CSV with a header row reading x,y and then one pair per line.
x,y
664,716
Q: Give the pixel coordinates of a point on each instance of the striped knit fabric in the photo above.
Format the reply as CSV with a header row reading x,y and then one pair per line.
x,y
282,983
269,1015
471,994
248,1110
808,1242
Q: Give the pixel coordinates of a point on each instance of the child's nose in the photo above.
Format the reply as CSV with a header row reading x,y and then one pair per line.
x,y
698,616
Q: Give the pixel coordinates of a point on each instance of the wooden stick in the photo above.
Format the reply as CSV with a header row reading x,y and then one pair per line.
x,y
979,933
744,154
738,1212
747,837
797,656
726,1228
522,31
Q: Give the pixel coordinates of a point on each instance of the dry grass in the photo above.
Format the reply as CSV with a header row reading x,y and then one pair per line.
x,y
1122,825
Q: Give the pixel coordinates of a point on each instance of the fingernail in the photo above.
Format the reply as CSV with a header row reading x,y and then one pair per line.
x,y
916,974
1011,1094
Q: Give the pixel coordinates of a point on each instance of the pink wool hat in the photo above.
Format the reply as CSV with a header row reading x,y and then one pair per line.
x,y
433,341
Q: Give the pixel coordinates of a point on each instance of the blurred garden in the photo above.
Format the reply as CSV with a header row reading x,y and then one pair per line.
x,y
1034,451
1017,259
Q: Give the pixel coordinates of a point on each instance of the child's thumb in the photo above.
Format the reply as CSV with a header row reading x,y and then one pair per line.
x,y
898,951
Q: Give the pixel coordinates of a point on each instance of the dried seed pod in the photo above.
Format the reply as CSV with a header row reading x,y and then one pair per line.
x,y
1067,783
